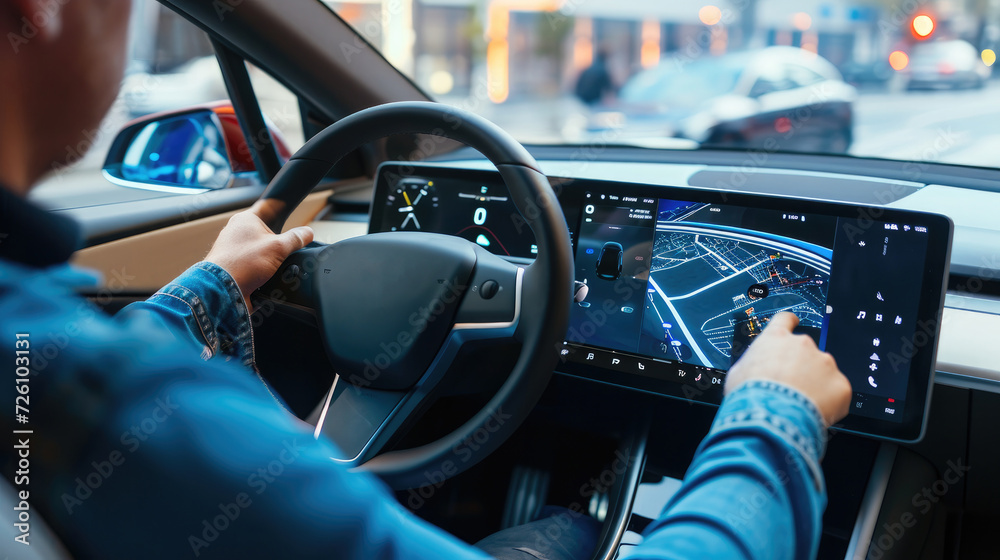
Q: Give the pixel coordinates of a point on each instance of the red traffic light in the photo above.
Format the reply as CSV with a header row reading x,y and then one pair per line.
x,y
922,26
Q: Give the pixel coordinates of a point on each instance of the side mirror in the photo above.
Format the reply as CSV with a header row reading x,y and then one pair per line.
x,y
186,151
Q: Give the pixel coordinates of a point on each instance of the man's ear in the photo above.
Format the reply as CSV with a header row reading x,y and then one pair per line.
x,y
40,19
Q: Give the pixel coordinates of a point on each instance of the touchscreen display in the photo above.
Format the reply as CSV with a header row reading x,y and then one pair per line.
x,y
679,282
678,290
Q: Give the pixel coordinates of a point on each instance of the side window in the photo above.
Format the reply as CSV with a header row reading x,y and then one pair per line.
x,y
802,76
772,79
281,110
170,65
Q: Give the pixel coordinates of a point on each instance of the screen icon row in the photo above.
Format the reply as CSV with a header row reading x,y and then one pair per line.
x,y
704,378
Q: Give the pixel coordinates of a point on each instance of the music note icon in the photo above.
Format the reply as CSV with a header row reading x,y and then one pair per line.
x,y
861,315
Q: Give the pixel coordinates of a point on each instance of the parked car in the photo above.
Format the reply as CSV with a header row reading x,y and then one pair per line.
x,y
946,65
775,98
874,74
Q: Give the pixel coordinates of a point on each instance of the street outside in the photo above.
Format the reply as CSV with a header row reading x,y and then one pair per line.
x,y
960,127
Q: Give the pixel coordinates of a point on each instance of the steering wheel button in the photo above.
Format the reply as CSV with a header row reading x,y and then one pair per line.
x,y
489,289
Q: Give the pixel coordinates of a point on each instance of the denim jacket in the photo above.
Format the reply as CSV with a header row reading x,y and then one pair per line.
x,y
151,433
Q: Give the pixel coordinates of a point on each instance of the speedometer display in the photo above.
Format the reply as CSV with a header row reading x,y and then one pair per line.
x,y
481,212
410,202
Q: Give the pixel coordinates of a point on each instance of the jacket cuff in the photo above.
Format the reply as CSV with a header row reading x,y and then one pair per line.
x,y
781,410
217,308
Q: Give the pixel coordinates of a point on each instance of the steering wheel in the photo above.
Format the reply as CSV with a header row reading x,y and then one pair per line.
x,y
394,309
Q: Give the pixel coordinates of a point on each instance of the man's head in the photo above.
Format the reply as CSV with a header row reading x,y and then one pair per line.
x,y
62,63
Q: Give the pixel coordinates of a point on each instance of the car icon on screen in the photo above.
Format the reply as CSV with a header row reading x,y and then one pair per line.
x,y
609,264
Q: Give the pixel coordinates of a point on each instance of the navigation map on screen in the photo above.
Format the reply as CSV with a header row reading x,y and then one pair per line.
x,y
714,285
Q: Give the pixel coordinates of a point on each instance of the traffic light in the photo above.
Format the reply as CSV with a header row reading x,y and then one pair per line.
x,y
922,26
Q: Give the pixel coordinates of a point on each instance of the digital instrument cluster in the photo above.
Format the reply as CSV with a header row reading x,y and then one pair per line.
x,y
452,203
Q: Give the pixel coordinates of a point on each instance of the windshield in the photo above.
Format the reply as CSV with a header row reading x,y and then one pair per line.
x,y
677,84
890,79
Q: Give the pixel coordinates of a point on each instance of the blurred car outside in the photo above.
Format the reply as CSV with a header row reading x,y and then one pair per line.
x,y
774,98
953,64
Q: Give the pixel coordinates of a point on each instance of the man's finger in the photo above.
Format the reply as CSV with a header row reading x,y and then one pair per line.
x,y
295,239
784,321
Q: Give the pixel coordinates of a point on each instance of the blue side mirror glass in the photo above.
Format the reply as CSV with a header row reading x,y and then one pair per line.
x,y
186,150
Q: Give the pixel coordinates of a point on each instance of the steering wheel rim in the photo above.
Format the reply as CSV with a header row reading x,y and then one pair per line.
x,y
546,283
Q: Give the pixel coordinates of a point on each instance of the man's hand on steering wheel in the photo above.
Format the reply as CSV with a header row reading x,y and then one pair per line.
x,y
531,308
250,252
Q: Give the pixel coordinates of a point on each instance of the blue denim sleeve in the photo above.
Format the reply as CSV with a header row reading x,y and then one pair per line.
x,y
755,488
139,448
207,305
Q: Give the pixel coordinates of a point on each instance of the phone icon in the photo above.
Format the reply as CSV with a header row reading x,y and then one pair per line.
x,y
871,381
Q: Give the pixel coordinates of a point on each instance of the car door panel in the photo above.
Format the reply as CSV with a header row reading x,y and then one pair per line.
x,y
145,262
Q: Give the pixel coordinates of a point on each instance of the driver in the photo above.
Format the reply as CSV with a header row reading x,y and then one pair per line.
x,y
152,434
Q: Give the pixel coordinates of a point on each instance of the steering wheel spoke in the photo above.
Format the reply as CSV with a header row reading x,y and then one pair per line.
x,y
364,421
358,413
493,298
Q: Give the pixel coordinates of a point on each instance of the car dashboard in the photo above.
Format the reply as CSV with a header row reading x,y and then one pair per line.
x,y
673,284
867,481
971,308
